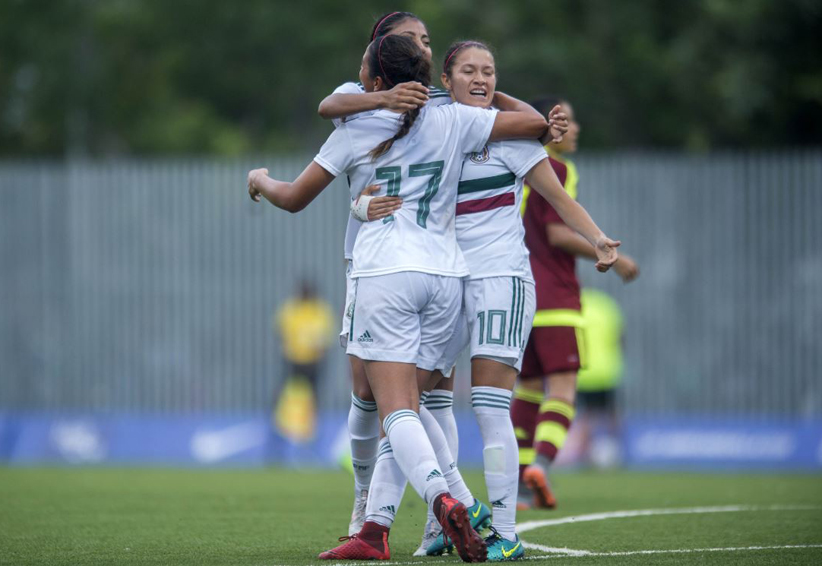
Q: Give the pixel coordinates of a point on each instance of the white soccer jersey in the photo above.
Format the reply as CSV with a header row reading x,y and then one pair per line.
x,y
489,227
423,168
436,97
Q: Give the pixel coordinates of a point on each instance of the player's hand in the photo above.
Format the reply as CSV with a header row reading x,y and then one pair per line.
x,y
557,123
405,97
255,181
626,268
380,207
606,253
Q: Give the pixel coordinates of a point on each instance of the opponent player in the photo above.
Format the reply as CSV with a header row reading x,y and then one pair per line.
x,y
556,346
498,297
408,265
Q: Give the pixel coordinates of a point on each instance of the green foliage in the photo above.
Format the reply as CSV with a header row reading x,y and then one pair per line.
x,y
103,77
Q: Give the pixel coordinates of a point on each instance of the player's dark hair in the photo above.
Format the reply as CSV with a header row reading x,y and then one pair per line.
x,y
544,104
387,22
455,48
397,59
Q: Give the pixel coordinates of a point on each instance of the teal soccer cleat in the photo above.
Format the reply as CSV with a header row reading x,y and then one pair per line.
x,y
502,550
480,516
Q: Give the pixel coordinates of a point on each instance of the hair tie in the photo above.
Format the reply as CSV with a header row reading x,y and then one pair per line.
x,y
376,29
445,68
379,58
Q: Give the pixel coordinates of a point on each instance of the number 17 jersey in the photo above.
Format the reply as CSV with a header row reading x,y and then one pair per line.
x,y
423,168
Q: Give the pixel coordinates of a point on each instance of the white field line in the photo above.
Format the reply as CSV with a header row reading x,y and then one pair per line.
x,y
674,551
554,552
584,553
531,525
555,549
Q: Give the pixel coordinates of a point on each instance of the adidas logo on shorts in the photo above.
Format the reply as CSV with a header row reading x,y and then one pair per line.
x,y
366,337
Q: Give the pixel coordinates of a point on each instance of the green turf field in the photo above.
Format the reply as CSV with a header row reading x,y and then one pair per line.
x,y
274,517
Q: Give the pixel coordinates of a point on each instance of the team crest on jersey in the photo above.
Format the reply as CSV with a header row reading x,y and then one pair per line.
x,y
481,157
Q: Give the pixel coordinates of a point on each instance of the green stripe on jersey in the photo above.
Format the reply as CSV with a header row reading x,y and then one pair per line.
x,y
486,183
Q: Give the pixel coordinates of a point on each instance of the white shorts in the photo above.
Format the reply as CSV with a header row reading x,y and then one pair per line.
x,y
350,293
498,314
404,317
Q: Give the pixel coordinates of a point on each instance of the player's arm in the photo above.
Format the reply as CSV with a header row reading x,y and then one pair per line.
x,y
557,119
516,120
404,97
367,207
567,240
293,196
542,179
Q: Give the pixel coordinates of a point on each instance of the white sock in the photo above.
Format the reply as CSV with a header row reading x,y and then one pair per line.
x,y
364,431
441,402
423,397
387,488
448,465
414,454
500,455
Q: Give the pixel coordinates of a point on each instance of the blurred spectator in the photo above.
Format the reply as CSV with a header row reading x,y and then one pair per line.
x,y
598,379
304,326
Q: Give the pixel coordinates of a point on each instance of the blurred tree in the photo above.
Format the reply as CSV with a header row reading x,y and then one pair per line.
x,y
114,77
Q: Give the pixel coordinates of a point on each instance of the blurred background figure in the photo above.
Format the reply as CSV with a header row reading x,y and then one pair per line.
x,y
303,325
598,420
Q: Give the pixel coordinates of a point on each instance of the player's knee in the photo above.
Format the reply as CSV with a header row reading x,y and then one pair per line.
x,y
563,386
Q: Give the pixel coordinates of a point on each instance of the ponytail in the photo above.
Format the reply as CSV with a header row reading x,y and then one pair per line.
x,y
408,119
397,59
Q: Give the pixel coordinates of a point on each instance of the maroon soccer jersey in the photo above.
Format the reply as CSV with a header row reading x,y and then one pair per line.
x,y
554,269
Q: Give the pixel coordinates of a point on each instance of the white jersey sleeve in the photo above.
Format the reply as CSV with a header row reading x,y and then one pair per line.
x,y
472,125
520,156
347,88
335,155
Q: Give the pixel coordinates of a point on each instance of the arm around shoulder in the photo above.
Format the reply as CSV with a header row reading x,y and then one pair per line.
x,y
518,125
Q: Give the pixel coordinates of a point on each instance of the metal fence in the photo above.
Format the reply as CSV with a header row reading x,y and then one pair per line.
x,y
149,286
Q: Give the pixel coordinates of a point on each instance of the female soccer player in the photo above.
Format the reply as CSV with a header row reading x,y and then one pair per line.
x,y
408,265
555,350
363,424
499,297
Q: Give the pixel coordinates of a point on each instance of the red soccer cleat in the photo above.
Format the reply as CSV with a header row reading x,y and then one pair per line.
x,y
453,516
356,548
535,479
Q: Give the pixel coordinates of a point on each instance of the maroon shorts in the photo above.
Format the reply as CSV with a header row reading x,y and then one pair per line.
x,y
551,349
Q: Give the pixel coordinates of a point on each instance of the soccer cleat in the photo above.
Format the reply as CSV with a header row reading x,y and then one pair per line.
x,y
480,517
501,550
534,477
456,526
432,533
358,514
355,548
